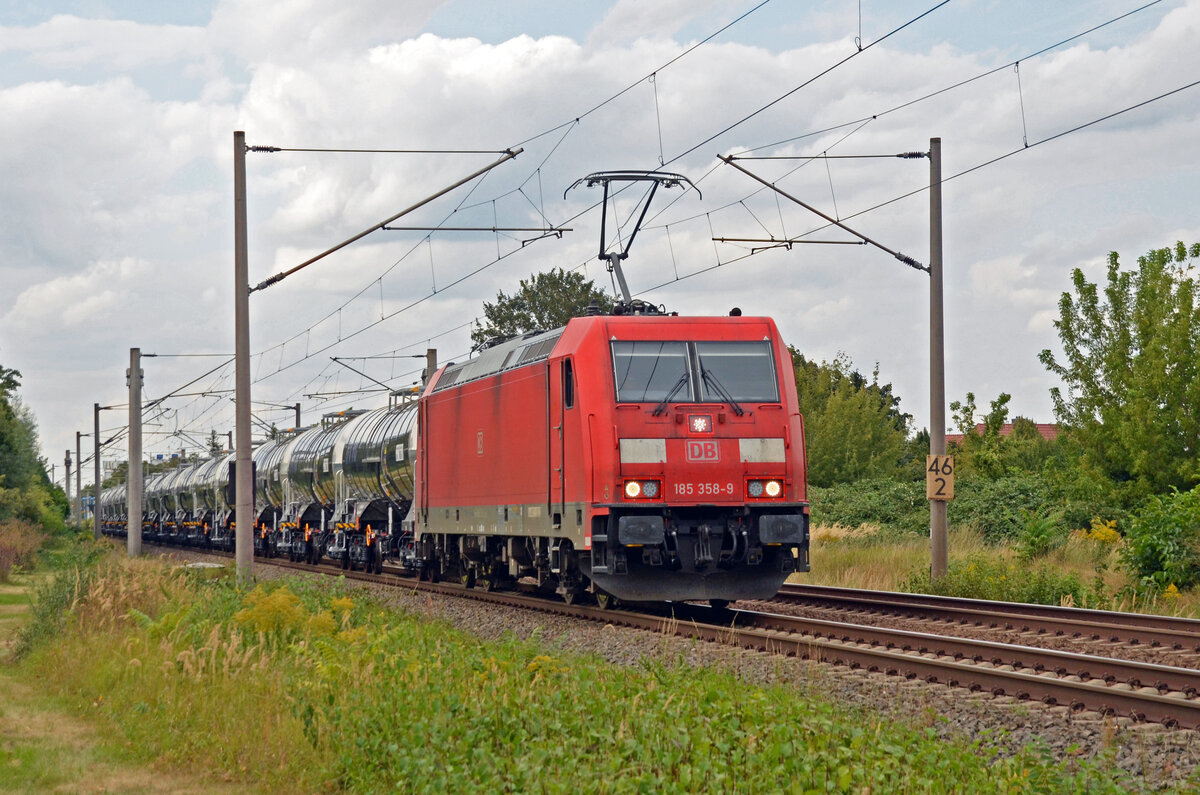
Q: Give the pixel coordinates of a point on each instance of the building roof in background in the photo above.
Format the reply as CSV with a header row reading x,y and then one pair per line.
x,y
1048,430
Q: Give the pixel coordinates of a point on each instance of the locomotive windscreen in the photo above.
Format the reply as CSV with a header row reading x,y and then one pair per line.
x,y
745,369
654,371
649,371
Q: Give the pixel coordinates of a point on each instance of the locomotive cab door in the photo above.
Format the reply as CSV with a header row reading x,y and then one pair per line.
x,y
561,398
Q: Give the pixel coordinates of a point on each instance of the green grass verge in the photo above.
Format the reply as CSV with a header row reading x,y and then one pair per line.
x,y
300,687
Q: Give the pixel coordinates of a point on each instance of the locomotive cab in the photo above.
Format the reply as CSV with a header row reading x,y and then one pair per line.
x,y
641,457
703,494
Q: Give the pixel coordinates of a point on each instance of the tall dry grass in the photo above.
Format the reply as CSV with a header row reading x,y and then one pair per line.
x,y
164,680
19,542
868,558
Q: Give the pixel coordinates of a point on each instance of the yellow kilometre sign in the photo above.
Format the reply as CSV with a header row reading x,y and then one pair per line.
x,y
939,477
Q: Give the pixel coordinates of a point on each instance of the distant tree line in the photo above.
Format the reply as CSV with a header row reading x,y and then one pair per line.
x,y
26,493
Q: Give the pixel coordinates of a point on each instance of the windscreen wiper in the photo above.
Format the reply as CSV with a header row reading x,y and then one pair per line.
x,y
661,407
712,381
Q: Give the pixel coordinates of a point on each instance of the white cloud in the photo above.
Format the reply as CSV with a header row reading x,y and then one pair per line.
x,y
628,20
66,41
118,203
306,32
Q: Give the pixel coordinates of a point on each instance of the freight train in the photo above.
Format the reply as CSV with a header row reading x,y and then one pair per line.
x,y
637,456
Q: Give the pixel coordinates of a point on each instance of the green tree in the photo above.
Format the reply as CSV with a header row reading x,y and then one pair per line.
x,y
854,429
18,436
1131,368
26,492
543,301
984,452
121,469
9,381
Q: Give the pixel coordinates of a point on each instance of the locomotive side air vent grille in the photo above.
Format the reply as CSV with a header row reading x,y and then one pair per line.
x,y
539,350
498,359
448,379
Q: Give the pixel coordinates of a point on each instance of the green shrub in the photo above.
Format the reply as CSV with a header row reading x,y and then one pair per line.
x,y
1001,581
885,503
1040,535
993,507
1163,541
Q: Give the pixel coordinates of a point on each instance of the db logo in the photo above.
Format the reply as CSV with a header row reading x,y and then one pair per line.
x,y
702,451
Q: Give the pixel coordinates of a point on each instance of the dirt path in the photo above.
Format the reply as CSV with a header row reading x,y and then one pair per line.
x,y
45,749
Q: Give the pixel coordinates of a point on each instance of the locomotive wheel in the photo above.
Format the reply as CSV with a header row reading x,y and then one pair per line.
x,y
466,574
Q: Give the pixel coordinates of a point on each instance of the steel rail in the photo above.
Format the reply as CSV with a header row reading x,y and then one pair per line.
x,y
1135,628
1162,678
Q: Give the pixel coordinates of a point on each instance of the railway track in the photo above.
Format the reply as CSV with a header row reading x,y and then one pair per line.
x,y
1165,632
1123,688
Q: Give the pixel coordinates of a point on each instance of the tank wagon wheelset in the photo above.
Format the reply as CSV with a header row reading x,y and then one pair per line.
x,y
638,457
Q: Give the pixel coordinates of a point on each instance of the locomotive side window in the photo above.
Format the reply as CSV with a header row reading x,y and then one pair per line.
x,y
746,370
649,371
568,376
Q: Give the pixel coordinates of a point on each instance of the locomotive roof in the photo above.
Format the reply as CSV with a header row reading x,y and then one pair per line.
x,y
531,347
536,346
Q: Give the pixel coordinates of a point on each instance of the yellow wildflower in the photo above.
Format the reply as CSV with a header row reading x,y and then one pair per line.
x,y
1104,531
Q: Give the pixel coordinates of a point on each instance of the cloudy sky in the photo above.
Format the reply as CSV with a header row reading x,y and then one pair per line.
x,y
116,191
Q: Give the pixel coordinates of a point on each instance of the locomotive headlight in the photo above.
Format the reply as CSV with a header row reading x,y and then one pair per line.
x,y
764,489
642,489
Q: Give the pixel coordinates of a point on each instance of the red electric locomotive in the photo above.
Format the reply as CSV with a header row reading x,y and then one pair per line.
x,y
640,456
